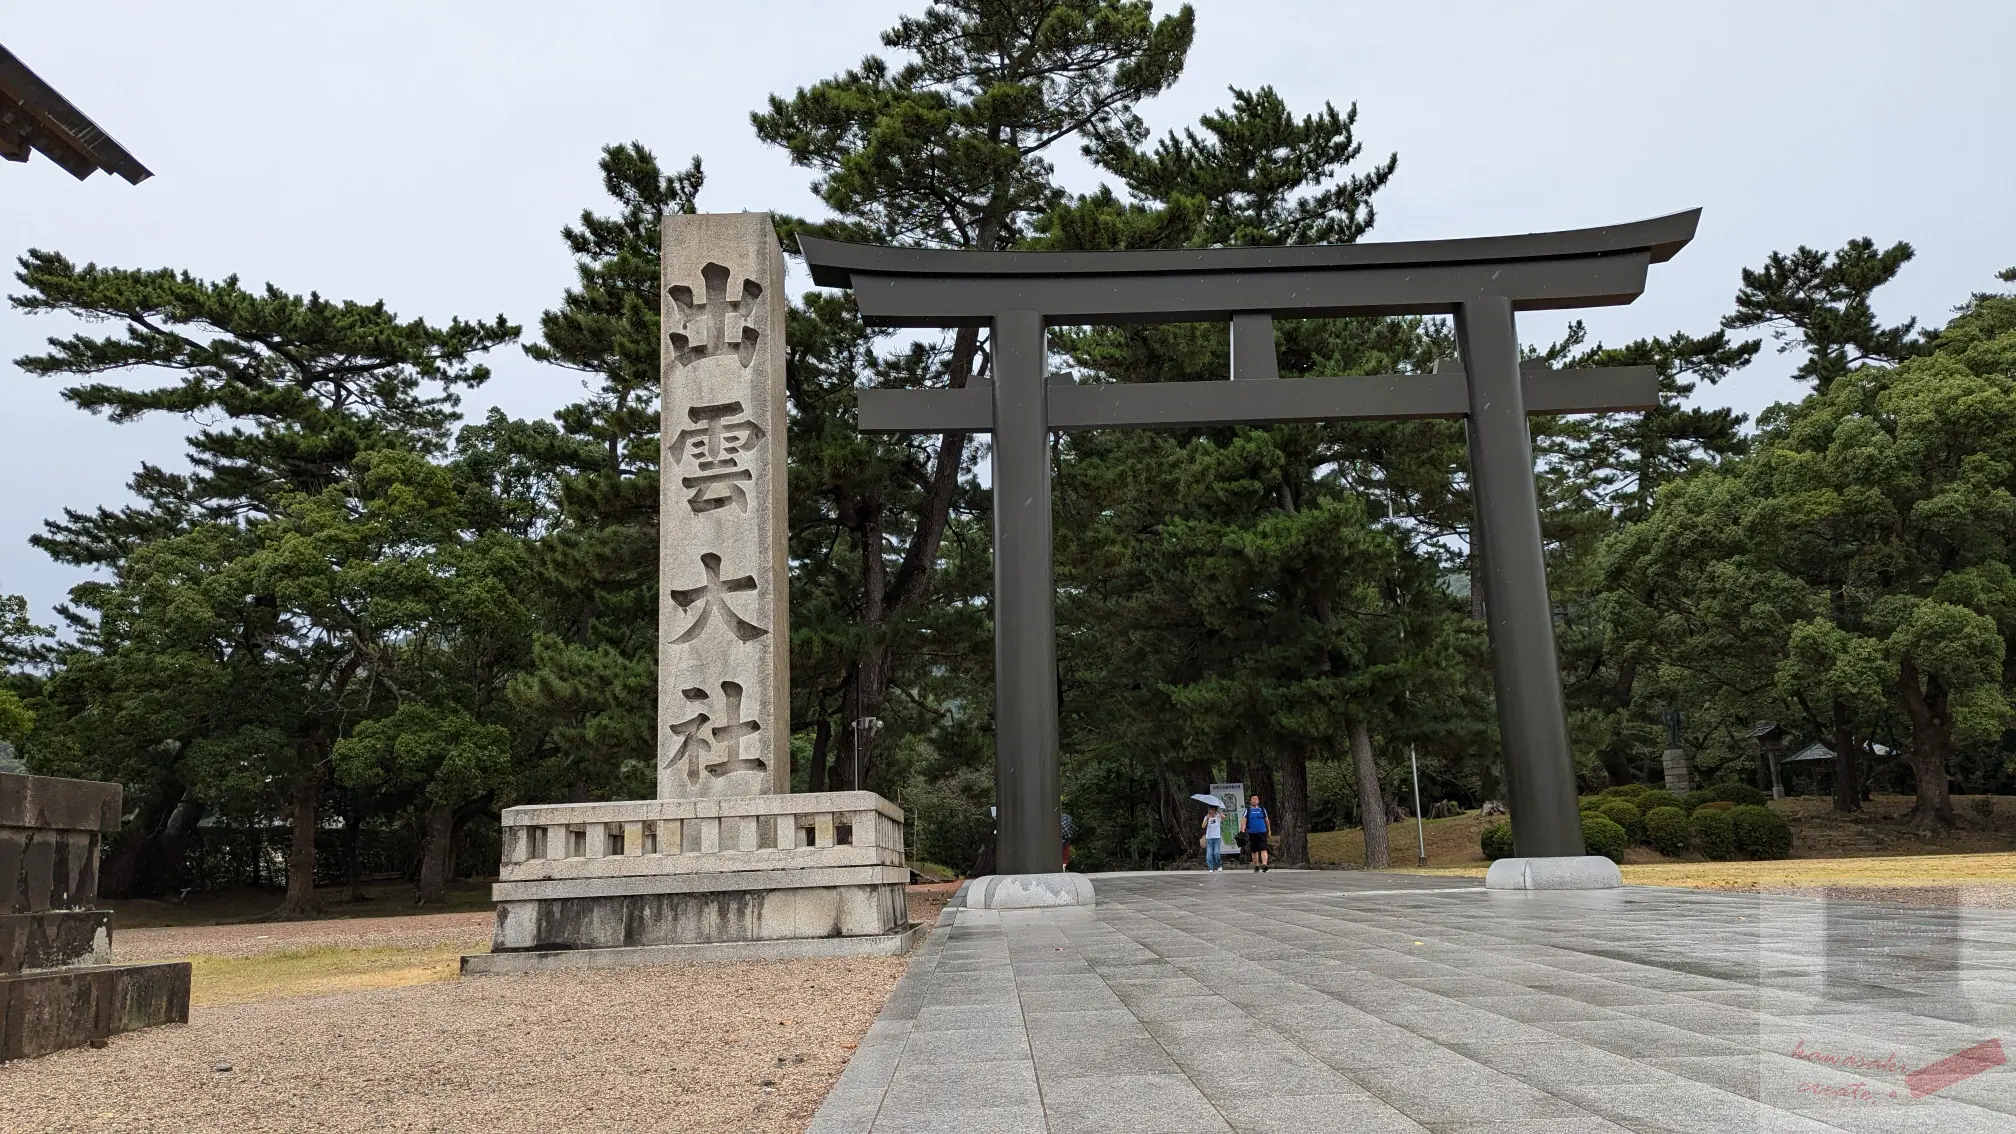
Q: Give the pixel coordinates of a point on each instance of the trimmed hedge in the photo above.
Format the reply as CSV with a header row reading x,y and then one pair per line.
x,y
1666,830
1622,791
1742,795
1655,799
1717,805
1497,840
1604,837
1627,816
1694,799
1761,832
1714,832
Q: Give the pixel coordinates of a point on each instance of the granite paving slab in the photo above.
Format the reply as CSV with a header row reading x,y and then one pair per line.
x,y
1312,1001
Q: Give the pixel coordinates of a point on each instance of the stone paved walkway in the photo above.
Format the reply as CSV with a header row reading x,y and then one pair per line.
x,y
1302,1002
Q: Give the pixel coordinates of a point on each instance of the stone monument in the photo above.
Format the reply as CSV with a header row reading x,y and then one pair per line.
x,y
58,985
725,863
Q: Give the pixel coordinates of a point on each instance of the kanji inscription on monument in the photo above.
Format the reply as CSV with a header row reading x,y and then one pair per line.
x,y
724,636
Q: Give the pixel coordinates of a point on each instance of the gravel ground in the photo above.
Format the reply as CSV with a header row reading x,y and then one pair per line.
x,y
420,931
688,1048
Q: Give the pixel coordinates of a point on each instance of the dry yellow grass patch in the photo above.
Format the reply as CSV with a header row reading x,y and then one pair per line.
x,y
1912,870
287,973
1451,843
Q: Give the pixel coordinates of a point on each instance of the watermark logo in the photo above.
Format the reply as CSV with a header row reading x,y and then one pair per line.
x,y
1959,1066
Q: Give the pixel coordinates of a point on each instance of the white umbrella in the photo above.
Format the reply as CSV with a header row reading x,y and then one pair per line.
x,y
1208,800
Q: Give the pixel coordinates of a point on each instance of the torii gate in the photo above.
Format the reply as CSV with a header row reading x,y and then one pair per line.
x,y
1481,282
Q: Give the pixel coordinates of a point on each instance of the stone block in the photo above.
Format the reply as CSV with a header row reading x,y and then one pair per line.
x,y
532,961
52,803
699,917
54,939
1580,872
47,869
48,1011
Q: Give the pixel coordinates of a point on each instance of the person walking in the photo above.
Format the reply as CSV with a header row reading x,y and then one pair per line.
x,y
1214,840
1254,825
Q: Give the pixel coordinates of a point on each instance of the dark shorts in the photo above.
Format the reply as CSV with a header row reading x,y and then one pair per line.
x,y
1256,841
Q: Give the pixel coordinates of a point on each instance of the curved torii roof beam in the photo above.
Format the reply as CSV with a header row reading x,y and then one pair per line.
x,y
937,287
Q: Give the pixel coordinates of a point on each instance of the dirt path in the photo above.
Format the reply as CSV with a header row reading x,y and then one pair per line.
x,y
744,1047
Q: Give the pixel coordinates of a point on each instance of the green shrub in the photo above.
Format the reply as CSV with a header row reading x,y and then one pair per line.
x,y
1656,798
1694,799
1743,795
1622,791
1604,837
1761,832
1714,832
1497,841
1627,816
1666,830
1717,805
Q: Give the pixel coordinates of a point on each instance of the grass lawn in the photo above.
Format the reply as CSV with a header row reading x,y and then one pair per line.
x,y
317,972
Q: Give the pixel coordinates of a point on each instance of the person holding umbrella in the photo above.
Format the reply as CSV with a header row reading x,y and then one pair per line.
x,y
1214,832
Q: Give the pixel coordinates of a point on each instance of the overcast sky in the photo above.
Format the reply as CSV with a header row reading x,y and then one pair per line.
x,y
428,153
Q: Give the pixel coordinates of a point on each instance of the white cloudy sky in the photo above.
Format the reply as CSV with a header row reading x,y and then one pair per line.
x,y
427,153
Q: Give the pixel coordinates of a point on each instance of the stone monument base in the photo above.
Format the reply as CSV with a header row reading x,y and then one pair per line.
x,y
1576,872
664,881
1025,892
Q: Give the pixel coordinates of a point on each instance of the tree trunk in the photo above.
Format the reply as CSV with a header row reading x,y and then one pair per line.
x,y
1371,804
124,868
300,900
1847,787
822,739
162,872
1616,763
1616,756
1294,819
436,850
1260,782
1180,814
353,855
1931,738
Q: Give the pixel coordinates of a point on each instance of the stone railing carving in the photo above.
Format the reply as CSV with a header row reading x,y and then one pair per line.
x,y
550,842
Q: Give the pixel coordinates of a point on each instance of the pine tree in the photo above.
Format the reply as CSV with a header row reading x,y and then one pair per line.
x,y
1819,302
593,680
948,150
219,642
